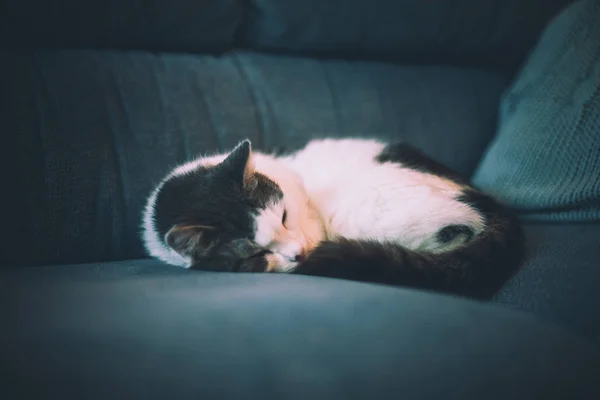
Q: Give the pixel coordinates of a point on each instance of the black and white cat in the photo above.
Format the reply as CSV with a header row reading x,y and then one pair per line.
x,y
356,209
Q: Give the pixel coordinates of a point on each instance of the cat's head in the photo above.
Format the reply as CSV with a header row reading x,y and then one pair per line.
x,y
224,213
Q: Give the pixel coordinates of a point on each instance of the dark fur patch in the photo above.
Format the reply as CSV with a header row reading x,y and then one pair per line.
x,y
265,191
238,255
223,198
201,198
450,232
484,204
410,157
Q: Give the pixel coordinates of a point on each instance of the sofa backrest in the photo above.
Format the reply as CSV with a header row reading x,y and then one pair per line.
x,y
485,32
71,120
156,25
488,32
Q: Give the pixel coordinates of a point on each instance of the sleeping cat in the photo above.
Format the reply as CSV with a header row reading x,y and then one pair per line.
x,y
355,209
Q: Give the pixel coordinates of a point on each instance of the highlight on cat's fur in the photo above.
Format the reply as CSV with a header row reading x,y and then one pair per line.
x,y
355,209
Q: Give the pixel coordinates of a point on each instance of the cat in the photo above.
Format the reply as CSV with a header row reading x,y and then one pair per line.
x,y
355,209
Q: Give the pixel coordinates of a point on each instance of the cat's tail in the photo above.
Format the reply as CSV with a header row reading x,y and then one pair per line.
x,y
478,268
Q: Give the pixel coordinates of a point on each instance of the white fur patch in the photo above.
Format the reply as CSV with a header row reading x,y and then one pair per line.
x,y
361,199
193,165
155,245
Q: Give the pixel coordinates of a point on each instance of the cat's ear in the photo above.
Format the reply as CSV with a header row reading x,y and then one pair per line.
x,y
186,239
239,165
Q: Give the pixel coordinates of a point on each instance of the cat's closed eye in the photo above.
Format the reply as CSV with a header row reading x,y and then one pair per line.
x,y
284,217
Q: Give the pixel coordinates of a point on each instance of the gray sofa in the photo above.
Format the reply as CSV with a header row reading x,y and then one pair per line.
x,y
100,99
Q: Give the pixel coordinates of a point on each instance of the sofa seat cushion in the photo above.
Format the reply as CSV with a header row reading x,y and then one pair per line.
x,y
560,280
126,330
88,134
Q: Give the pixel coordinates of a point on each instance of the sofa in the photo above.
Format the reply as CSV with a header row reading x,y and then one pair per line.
x,y
101,98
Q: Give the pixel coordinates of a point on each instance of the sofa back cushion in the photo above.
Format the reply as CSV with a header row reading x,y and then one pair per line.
x,y
161,25
484,32
545,159
487,32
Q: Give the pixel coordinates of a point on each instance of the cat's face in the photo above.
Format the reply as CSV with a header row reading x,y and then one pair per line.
x,y
228,216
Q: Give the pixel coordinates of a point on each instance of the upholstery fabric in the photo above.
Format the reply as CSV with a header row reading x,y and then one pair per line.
x,y
200,335
162,25
88,133
557,283
497,34
560,280
486,32
544,160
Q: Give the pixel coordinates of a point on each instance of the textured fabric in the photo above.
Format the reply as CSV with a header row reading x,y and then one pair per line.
x,y
166,25
494,33
490,32
265,336
88,134
560,280
545,160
